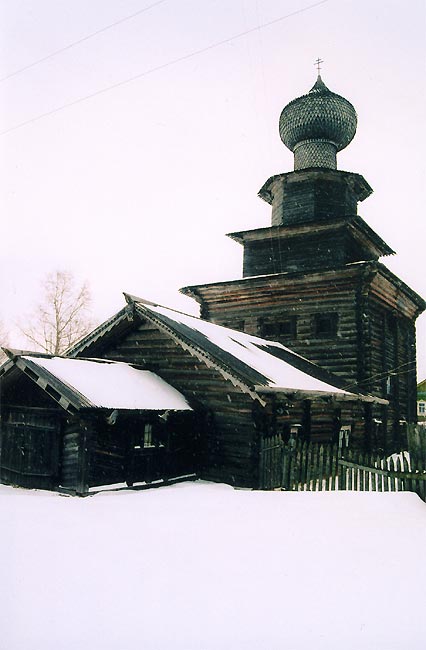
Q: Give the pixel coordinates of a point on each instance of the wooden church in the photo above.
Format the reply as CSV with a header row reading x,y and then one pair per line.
x,y
313,279
154,395
316,341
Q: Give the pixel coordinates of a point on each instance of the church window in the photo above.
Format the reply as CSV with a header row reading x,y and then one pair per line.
x,y
325,324
282,328
147,437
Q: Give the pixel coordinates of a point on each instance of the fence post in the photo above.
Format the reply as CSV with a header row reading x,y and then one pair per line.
x,y
342,475
287,463
292,468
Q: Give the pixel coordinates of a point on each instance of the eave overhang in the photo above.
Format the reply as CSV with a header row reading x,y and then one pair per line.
x,y
402,294
70,400
367,269
120,320
356,226
357,183
336,397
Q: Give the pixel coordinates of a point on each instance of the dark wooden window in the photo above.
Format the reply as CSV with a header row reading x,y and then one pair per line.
x,y
391,384
147,436
325,324
282,328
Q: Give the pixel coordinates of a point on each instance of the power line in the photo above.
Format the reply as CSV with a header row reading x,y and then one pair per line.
x,y
162,66
382,375
81,40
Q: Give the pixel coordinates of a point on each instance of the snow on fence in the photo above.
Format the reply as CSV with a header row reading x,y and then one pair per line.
x,y
311,466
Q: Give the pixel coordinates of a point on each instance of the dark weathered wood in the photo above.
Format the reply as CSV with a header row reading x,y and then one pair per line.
x,y
228,449
29,447
83,462
375,332
312,466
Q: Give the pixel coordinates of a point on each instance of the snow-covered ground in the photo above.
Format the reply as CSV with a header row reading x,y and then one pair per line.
x,y
199,566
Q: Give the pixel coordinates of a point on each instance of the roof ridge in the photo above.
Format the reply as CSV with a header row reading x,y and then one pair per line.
x,y
131,300
202,355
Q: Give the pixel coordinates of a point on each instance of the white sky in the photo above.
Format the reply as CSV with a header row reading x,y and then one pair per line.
x,y
135,188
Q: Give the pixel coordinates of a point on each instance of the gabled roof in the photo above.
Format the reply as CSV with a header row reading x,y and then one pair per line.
x,y
256,365
96,383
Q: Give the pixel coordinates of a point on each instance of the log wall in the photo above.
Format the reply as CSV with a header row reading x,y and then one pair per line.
x,y
374,343
304,298
323,250
308,196
70,468
228,451
107,454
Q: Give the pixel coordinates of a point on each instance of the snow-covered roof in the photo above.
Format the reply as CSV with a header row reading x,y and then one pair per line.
x,y
104,384
255,353
264,365
257,365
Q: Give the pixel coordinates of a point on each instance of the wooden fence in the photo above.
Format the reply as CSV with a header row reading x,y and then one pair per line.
x,y
310,466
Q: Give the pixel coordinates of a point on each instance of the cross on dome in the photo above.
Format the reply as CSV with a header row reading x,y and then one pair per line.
x,y
318,64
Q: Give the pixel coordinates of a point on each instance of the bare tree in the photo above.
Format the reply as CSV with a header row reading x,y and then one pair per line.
x,y
62,317
4,341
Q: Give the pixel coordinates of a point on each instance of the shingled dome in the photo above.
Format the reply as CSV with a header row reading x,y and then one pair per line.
x,y
317,125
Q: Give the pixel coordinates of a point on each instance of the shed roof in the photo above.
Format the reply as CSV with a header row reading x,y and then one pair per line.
x,y
100,383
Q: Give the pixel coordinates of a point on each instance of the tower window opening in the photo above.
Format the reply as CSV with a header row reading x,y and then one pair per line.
x,y
325,324
283,328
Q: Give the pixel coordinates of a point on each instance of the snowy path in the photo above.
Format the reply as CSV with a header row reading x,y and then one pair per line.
x,y
199,566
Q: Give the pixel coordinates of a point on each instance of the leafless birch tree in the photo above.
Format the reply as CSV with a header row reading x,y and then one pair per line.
x,y
62,317
4,340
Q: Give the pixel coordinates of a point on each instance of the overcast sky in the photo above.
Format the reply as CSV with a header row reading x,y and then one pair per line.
x,y
135,188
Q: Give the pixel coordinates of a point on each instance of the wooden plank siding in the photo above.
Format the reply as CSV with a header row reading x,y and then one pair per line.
x,y
302,298
375,337
391,371
228,452
30,446
302,466
75,459
107,454
278,255
70,454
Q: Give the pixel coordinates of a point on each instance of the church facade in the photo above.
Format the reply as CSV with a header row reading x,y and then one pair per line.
x,y
314,281
315,342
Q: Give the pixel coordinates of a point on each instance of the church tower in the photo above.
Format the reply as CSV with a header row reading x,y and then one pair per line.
x,y
313,279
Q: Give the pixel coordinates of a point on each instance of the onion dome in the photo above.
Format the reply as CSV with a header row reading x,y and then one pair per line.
x,y
316,126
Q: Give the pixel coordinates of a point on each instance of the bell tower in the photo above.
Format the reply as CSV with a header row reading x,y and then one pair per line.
x,y
313,280
314,218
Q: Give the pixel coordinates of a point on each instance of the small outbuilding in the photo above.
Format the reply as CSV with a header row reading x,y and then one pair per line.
x,y
74,424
